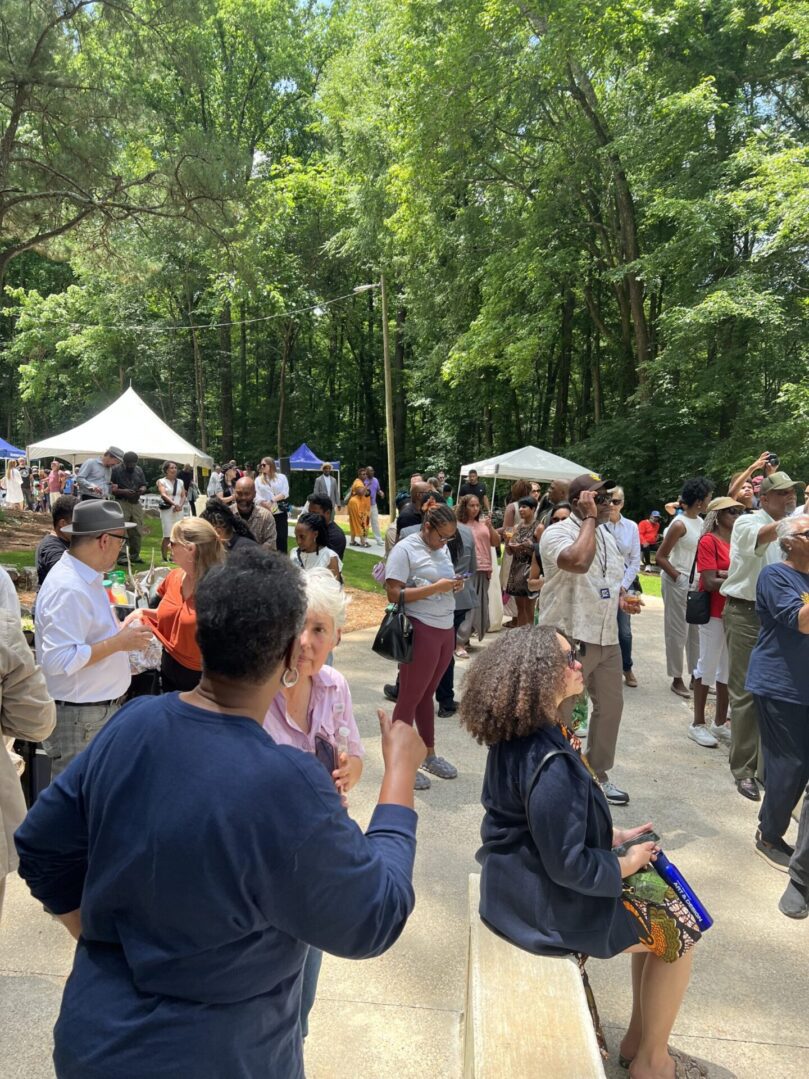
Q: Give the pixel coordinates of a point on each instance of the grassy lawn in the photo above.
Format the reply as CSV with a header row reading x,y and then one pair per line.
x,y
357,571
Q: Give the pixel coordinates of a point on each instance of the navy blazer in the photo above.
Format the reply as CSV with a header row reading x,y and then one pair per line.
x,y
550,882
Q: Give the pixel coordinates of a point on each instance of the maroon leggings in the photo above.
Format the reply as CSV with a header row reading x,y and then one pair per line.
x,y
432,651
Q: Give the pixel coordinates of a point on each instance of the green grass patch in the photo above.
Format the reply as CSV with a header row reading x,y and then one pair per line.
x,y
18,559
650,583
357,571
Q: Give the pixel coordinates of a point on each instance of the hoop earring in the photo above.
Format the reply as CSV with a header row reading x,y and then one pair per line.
x,y
287,684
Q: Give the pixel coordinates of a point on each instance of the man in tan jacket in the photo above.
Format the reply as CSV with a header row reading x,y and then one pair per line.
x,y
26,711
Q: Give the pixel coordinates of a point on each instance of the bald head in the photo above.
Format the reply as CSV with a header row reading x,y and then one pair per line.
x,y
418,492
245,491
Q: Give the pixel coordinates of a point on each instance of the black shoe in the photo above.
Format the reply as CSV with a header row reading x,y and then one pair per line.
x,y
446,710
391,693
777,854
795,901
749,789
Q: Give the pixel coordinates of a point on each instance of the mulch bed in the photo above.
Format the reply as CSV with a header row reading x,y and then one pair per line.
x,y
23,531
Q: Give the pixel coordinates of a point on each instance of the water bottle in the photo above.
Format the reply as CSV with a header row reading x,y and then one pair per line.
x,y
674,878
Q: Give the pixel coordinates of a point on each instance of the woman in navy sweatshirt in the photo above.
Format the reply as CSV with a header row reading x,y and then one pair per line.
x,y
551,882
195,860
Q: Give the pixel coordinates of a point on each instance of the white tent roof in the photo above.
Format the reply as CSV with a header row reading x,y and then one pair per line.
x,y
529,463
128,423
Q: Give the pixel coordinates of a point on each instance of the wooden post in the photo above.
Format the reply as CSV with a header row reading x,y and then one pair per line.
x,y
389,435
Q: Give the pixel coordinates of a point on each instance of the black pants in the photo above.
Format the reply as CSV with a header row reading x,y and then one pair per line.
x,y
282,530
784,730
174,677
445,690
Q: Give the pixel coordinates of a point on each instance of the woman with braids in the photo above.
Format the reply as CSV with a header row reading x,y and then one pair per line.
x,y
420,567
312,545
551,881
468,513
229,526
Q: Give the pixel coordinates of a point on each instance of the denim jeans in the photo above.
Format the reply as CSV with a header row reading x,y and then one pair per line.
x,y
625,639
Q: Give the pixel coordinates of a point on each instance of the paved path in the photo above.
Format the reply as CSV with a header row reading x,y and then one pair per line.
x,y
400,1016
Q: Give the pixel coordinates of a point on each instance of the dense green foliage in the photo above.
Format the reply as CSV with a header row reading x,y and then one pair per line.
x,y
593,220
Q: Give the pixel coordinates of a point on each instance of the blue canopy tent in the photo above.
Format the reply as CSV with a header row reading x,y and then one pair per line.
x,y
303,460
7,450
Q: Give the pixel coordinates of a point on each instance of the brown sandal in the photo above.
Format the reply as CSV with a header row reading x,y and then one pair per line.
x,y
685,1067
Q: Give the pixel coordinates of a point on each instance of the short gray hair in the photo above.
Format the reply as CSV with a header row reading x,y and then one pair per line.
x,y
786,526
325,595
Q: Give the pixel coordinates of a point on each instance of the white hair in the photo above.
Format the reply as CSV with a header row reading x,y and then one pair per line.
x,y
325,595
786,526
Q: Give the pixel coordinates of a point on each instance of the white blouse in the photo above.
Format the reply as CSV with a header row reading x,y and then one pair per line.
x,y
272,490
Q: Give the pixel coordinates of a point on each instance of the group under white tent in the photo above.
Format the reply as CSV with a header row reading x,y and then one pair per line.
x,y
129,424
528,463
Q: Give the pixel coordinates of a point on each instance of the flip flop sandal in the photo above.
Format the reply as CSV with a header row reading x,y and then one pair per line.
x,y
439,767
421,782
685,1067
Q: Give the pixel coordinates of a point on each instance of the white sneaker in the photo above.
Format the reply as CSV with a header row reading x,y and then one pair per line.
x,y
702,736
721,732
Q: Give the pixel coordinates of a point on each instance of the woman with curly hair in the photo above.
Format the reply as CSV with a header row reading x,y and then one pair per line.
x,y
551,881
229,526
468,512
520,545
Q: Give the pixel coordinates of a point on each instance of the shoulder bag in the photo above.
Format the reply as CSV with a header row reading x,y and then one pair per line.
x,y
394,638
697,604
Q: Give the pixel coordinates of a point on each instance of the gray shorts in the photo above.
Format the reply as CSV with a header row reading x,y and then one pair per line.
x,y
76,727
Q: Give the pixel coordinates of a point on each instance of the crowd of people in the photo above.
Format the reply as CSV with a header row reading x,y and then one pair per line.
x,y
224,906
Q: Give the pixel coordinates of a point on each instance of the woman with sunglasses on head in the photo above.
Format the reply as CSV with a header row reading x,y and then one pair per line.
x,y
196,549
420,570
713,562
272,493
551,881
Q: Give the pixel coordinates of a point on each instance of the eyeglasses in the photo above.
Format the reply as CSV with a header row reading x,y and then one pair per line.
x,y
572,658
115,535
178,543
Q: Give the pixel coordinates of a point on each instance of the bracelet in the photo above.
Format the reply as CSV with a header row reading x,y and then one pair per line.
x,y
590,517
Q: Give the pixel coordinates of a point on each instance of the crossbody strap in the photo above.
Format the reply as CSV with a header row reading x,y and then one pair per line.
x,y
535,776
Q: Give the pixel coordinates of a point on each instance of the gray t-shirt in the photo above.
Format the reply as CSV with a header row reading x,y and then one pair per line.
x,y
410,559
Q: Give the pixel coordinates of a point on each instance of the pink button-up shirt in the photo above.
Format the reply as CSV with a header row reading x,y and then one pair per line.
x,y
329,709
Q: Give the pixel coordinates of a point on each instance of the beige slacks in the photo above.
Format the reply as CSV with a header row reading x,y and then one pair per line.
x,y
602,671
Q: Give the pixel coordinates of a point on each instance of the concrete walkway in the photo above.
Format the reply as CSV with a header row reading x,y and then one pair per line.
x,y
400,1016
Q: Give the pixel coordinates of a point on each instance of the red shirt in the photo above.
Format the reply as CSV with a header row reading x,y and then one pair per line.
x,y
649,531
713,553
174,623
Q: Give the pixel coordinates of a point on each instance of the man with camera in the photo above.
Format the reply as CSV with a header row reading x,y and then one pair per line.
x,y
753,545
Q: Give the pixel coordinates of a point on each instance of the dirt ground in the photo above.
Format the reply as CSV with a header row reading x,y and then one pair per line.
x,y
364,610
23,531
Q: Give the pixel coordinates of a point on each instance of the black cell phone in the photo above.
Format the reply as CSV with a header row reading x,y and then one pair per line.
x,y
644,837
324,751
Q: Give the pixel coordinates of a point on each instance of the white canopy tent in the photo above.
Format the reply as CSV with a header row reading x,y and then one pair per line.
x,y
128,423
529,463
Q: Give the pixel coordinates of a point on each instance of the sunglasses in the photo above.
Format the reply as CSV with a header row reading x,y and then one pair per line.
x,y
602,500
572,658
734,512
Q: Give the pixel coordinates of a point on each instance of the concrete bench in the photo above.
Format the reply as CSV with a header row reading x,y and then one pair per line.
x,y
526,1015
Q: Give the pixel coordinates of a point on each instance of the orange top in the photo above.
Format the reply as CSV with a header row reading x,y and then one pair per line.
x,y
174,623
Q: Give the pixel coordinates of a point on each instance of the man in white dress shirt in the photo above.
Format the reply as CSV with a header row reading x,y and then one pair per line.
x,y
625,533
80,645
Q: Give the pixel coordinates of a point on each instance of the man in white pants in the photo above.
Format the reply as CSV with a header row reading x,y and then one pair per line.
x,y
372,483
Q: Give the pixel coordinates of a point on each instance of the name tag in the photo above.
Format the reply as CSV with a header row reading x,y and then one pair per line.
x,y
604,593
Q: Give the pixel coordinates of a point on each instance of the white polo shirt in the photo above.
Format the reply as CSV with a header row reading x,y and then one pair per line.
x,y
746,559
73,613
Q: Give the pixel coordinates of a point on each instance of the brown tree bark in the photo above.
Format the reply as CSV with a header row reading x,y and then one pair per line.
x,y
226,381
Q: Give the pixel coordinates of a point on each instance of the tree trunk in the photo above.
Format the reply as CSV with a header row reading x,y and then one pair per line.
x,y
226,382
289,337
565,358
399,428
244,389
199,374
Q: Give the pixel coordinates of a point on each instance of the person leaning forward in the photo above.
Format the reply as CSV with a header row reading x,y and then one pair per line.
x,y
127,484
93,477
584,570
80,645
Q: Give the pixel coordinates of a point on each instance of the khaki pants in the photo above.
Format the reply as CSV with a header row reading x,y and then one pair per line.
x,y
677,632
602,671
741,632
133,511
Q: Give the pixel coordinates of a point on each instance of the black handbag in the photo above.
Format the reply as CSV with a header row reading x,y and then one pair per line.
x,y
697,604
394,638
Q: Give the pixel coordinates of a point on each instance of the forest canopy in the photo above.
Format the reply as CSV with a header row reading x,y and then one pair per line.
x,y
592,219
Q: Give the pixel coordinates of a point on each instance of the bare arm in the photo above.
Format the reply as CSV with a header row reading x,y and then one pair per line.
x,y
712,579
72,922
423,591
803,618
675,532
743,477
578,557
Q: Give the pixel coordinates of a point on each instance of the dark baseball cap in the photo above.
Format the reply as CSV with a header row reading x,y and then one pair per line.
x,y
779,481
589,482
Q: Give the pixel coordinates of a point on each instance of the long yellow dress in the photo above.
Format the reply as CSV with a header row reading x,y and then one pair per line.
x,y
359,510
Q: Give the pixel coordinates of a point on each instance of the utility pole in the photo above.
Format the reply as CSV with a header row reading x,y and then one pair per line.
x,y
388,403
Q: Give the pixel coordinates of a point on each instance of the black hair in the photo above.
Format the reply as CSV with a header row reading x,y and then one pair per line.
x,y
219,514
436,497
62,509
447,488
247,641
528,501
695,489
559,506
317,525
130,458
323,501
439,515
